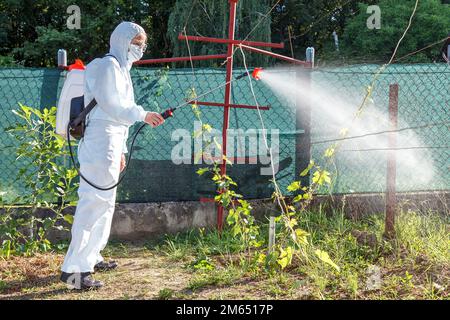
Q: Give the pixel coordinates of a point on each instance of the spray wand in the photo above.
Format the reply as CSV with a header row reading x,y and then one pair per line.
x,y
256,74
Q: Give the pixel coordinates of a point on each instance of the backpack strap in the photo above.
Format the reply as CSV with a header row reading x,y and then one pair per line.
x,y
111,55
82,116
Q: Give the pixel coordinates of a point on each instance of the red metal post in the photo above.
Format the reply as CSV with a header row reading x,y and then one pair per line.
x,y
391,201
278,56
228,41
231,42
231,105
228,88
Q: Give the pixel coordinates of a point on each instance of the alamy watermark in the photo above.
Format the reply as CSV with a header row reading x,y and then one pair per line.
x,y
206,147
374,21
74,19
373,281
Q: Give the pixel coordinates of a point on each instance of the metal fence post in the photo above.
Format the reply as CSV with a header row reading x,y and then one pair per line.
x,y
310,55
391,200
303,119
62,59
62,65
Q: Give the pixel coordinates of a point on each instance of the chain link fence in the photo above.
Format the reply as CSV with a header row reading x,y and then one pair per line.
x,y
423,139
153,176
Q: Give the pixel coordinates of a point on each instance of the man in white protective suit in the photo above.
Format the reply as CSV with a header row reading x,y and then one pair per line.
x,y
101,152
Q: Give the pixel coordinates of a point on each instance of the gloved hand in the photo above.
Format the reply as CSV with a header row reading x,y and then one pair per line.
x,y
122,162
154,119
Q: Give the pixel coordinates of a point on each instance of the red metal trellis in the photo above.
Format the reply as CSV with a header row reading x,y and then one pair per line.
x,y
231,42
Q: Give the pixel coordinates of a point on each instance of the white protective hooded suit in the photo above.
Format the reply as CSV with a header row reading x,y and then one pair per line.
x,y
99,152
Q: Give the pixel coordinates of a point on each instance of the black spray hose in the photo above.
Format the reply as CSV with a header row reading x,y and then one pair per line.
x,y
245,74
166,114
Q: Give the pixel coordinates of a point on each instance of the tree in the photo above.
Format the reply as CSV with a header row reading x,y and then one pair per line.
x,y
33,31
431,23
312,24
210,18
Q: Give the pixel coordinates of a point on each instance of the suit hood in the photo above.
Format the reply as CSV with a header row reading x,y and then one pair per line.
x,y
120,41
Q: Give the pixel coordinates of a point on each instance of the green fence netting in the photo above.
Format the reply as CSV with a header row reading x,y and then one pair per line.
x,y
423,162
153,176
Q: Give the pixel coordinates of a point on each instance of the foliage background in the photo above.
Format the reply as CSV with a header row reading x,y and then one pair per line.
x,y
31,32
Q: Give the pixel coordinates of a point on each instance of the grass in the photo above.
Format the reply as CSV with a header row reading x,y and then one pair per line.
x,y
202,265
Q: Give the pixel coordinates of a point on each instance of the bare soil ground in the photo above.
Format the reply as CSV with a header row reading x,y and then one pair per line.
x,y
142,274
149,274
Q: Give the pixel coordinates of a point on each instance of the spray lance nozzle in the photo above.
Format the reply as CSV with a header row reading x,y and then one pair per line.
x,y
256,74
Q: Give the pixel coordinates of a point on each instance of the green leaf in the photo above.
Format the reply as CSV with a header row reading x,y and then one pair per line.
x,y
236,230
68,218
329,152
292,222
202,171
294,186
321,176
305,172
206,127
283,262
322,255
302,236
285,257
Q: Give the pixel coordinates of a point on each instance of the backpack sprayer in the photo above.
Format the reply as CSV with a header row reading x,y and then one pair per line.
x,y
71,113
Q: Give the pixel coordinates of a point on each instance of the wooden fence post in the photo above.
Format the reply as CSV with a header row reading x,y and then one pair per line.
x,y
391,200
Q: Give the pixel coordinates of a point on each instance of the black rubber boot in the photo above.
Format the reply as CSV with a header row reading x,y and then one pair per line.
x,y
80,281
105,266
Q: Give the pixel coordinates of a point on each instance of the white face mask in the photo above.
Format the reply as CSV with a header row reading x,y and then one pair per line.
x,y
135,53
